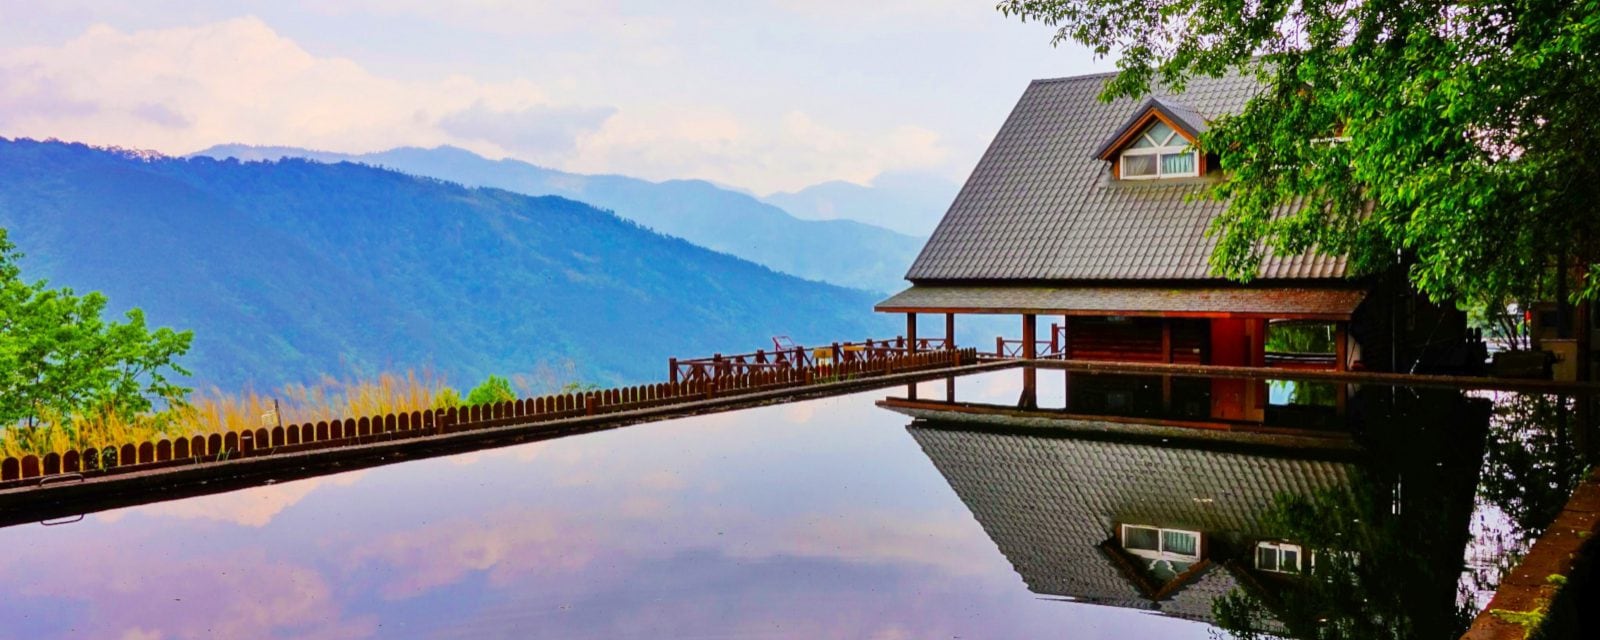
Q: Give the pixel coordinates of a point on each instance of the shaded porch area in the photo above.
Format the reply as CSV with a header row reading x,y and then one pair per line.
x,y
1280,327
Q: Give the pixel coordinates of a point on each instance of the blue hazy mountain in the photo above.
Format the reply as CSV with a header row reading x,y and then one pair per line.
x,y
842,252
286,270
907,202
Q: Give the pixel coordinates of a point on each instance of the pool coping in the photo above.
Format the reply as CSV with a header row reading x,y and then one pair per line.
x,y
1567,547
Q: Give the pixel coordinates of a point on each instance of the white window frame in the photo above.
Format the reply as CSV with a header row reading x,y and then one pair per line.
x,y
1302,563
1161,553
1174,143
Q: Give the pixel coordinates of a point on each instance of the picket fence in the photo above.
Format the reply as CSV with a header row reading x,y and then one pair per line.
x,y
128,457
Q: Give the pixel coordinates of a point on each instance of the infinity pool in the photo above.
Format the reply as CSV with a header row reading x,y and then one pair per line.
x,y
835,517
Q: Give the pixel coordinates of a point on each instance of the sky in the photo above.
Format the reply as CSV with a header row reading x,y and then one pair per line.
x,y
763,95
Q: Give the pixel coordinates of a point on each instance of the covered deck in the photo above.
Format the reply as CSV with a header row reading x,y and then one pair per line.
x,y
1213,325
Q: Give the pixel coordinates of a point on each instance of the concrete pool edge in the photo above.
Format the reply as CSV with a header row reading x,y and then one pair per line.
x,y
1539,597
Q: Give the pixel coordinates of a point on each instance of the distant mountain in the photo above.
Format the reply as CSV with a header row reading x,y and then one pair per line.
x,y
910,203
291,269
841,252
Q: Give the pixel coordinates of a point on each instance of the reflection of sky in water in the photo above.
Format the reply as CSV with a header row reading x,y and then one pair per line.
x,y
815,519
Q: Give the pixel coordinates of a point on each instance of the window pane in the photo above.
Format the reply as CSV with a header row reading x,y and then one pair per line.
x,y
1161,133
1266,558
1143,142
1139,538
1291,560
1177,163
1138,165
1178,542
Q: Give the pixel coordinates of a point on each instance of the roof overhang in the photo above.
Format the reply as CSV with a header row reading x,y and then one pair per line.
x,y
1290,302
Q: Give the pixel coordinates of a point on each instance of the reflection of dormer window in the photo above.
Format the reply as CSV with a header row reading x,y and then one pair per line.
x,y
1279,557
1165,552
1159,152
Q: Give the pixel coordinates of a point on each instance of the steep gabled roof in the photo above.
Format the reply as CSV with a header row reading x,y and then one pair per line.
x,y
1041,206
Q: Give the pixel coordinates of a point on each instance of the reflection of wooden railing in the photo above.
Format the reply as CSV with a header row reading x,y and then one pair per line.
x,y
218,447
869,351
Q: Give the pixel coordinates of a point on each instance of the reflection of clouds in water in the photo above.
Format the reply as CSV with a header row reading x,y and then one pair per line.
x,y
504,545
252,507
242,595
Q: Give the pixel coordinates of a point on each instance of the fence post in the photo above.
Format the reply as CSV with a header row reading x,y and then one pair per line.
x,y
672,369
1000,346
589,403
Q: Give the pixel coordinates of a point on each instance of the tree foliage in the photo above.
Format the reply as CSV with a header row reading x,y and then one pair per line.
x,y
1458,138
59,357
494,389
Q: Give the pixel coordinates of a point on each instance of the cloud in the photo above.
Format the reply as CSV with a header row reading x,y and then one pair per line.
x,y
534,131
179,89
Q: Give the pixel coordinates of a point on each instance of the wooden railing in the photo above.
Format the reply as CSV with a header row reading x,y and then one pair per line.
x,y
217,447
779,360
1013,349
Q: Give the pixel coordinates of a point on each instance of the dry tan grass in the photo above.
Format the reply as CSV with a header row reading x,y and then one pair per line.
x,y
216,412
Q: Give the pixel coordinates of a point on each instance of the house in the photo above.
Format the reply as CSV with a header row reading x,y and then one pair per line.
x,y
1085,212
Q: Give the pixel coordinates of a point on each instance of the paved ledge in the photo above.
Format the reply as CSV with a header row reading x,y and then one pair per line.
x,y
1567,549
58,497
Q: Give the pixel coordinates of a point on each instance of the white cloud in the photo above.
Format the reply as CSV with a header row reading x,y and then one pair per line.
x,y
180,89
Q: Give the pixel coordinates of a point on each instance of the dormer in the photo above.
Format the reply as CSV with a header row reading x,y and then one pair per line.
x,y
1157,142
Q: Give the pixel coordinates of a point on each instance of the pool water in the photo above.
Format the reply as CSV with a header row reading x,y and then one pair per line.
x,y
847,517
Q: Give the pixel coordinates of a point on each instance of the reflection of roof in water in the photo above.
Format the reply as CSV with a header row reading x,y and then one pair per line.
x,y
1048,503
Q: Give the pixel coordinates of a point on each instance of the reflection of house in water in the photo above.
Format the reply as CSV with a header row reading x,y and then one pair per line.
x,y
1122,499
1145,526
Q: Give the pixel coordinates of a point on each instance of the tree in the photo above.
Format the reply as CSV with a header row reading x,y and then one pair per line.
x,y
1456,138
58,357
493,390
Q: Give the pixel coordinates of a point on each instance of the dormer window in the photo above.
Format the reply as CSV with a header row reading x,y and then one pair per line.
x,y
1157,141
1159,152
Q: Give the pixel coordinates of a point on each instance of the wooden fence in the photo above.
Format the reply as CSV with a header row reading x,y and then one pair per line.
x,y
869,351
217,447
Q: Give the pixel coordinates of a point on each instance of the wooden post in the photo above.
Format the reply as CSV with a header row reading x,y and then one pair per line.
x,y
1030,336
1166,345
672,370
1066,337
949,330
1341,350
999,347
911,332
1055,338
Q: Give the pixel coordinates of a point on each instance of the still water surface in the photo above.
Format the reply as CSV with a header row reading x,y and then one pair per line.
x,y
839,517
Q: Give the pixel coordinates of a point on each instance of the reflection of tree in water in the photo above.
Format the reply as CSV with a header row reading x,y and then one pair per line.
x,y
1375,575
1531,465
1393,540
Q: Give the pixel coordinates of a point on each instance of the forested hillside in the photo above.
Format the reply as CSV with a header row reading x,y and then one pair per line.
x,y
842,252
291,269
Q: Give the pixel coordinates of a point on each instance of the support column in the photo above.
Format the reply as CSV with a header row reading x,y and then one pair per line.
x,y
1030,336
949,330
1341,347
911,332
1166,340
1030,350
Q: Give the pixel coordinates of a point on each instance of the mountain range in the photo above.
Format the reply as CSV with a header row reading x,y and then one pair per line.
x,y
907,202
838,251
289,269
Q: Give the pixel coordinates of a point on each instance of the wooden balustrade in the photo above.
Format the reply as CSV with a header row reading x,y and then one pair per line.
x,y
728,377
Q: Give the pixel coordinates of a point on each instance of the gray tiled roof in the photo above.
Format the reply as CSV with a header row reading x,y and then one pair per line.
x,y
1049,502
1330,302
1039,206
